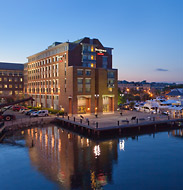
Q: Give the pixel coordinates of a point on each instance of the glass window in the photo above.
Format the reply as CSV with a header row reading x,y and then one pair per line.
x,y
10,79
85,48
104,62
87,88
80,81
5,79
0,79
87,81
92,65
79,71
5,86
80,88
88,72
10,86
110,74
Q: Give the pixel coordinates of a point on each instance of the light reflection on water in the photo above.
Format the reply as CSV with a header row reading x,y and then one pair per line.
x,y
63,160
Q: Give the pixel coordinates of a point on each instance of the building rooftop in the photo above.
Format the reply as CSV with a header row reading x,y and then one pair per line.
x,y
11,66
176,92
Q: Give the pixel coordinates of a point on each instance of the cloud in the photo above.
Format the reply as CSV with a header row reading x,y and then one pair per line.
x,y
160,69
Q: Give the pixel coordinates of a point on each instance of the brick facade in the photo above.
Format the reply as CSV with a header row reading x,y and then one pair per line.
x,y
76,77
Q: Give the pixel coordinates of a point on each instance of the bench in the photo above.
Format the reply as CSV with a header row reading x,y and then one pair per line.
x,y
133,118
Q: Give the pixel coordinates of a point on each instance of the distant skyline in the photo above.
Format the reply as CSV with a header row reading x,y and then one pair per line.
x,y
147,35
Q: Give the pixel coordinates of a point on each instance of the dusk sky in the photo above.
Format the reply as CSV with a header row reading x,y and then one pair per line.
x,y
147,35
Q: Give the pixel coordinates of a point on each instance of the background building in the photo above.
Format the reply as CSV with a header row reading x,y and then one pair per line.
x,y
11,80
74,76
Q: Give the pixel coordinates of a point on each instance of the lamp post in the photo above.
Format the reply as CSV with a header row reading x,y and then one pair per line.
x,y
121,95
70,106
96,108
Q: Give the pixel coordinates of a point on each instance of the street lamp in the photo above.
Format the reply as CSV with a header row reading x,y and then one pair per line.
x,y
96,108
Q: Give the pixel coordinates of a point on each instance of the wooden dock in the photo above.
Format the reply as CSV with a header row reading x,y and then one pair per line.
x,y
119,130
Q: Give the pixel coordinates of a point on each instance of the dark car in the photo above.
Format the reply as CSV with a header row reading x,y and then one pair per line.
x,y
30,111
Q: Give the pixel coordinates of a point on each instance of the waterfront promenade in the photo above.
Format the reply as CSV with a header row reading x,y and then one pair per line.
x,y
114,124
112,119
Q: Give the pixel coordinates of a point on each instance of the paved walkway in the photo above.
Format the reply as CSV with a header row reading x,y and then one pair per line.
x,y
111,119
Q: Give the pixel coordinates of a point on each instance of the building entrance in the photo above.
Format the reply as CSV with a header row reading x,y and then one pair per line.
x,y
84,105
108,103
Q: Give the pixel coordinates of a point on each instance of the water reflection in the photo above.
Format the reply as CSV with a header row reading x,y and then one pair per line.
x,y
72,161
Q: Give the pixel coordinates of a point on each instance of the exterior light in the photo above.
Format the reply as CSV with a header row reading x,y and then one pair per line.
x,y
96,151
122,145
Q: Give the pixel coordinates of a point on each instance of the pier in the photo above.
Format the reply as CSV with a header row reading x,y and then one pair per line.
x,y
114,125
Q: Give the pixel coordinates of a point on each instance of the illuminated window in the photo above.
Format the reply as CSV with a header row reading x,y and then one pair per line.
x,y
10,86
110,89
5,86
0,79
1,92
92,65
10,79
91,57
92,48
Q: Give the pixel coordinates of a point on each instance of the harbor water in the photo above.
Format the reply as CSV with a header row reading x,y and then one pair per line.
x,y
53,158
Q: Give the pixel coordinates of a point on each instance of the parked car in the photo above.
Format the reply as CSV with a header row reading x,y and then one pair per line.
x,y
7,117
17,108
22,110
40,113
30,111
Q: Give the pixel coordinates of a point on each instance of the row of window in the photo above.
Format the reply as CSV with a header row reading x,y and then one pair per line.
x,y
49,53
47,97
80,72
11,86
42,90
43,76
53,82
87,48
6,93
11,79
47,61
11,73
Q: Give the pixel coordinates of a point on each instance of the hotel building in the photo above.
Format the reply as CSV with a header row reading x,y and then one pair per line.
x,y
76,77
11,79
